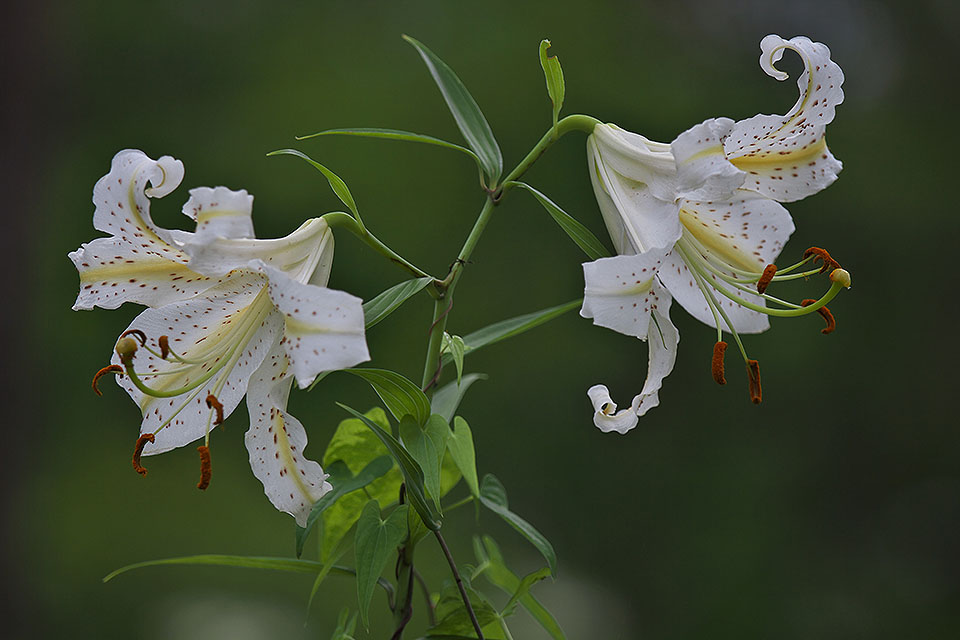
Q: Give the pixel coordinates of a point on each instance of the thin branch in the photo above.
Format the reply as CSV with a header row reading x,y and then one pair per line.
x,y
431,609
463,591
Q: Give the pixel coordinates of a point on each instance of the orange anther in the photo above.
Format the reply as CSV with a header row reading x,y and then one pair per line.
x,y
825,314
766,277
753,377
717,364
113,368
164,342
136,333
204,467
214,404
821,255
138,451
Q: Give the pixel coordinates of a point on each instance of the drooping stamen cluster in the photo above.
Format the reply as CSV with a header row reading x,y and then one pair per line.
x,y
714,274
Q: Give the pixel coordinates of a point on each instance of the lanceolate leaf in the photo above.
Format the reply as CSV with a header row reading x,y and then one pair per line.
x,y
494,497
463,453
343,482
392,134
447,398
387,302
554,77
512,327
400,396
345,626
412,473
465,111
496,571
336,183
376,541
582,236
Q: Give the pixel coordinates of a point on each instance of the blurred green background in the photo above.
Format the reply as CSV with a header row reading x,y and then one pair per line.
x,y
830,511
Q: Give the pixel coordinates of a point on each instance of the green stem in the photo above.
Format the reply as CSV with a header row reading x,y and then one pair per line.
x,y
459,580
348,222
431,364
458,503
575,122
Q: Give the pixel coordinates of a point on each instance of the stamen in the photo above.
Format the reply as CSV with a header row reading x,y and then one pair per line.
x,y
138,451
825,314
214,404
753,377
164,342
766,277
821,255
717,364
113,368
204,467
136,333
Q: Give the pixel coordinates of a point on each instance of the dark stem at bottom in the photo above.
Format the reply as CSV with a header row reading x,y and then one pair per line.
x,y
463,591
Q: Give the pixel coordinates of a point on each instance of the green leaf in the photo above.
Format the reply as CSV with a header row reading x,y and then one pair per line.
x,y
336,183
400,396
412,473
494,497
523,589
497,572
244,562
343,482
387,302
357,446
455,347
341,550
427,445
447,398
377,540
345,626
582,236
465,112
463,453
554,77
392,134
513,327
454,621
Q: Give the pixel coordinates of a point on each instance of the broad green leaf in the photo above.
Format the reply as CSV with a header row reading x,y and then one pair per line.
x,y
513,326
346,625
412,473
523,589
455,347
465,112
343,482
387,302
392,134
447,398
454,621
357,447
463,453
336,183
554,77
494,497
400,396
496,571
582,236
427,445
377,540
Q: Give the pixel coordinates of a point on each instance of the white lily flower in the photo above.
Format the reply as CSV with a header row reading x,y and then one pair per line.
x,y
230,315
705,210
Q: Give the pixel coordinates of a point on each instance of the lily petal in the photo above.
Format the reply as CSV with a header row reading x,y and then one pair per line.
x,y
606,417
324,328
637,214
114,271
662,342
276,440
635,157
227,333
221,212
620,292
703,171
304,255
786,157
